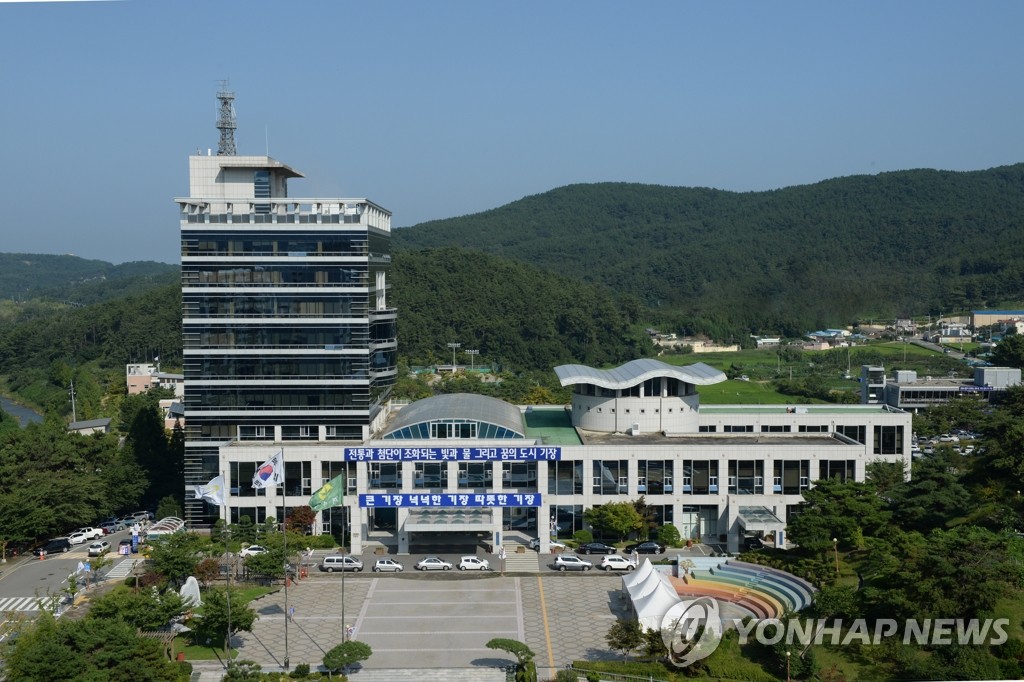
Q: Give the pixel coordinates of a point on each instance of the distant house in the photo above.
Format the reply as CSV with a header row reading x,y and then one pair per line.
x,y
905,326
768,342
174,413
140,377
90,426
829,337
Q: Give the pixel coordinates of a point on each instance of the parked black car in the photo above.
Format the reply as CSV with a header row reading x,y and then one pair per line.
x,y
55,546
754,543
646,548
596,548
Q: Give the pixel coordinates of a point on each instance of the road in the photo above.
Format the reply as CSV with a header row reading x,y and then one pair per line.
x,y
956,355
28,584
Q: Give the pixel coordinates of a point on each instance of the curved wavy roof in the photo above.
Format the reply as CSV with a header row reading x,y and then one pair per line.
x,y
638,371
461,406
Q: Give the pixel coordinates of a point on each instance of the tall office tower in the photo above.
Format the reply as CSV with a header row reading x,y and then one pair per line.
x,y
288,338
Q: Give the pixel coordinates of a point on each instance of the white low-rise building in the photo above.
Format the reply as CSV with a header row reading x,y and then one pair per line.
x,y
468,464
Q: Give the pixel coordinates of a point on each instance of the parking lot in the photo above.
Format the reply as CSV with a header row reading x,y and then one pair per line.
x,y
439,619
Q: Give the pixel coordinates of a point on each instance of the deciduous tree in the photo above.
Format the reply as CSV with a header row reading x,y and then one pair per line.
x,y
614,518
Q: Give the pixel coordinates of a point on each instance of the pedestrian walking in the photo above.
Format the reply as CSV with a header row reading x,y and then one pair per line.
x,y
291,613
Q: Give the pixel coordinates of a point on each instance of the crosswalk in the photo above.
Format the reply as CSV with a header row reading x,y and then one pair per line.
x,y
121,569
20,604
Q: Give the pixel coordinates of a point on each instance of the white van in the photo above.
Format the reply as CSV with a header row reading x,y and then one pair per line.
x,y
337,562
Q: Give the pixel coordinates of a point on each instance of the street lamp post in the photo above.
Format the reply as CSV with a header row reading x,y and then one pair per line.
x,y
454,346
835,551
344,543
788,654
472,358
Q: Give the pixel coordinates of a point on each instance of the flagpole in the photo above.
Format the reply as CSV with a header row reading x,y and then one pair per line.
x,y
227,551
284,528
331,496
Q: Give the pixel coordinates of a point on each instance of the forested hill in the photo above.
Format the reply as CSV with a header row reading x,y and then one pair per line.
x,y
77,280
514,314
908,242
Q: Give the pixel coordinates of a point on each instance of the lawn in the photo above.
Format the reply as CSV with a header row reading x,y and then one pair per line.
x,y
735,392
1012,607
198,652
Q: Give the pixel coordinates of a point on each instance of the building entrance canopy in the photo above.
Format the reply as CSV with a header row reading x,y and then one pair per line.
x,y
759,519
450,519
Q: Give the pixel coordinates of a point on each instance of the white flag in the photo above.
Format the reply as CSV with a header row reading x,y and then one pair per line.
x,y
270,473
212,492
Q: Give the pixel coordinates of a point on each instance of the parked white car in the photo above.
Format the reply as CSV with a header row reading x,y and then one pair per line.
x,y
252,550
384,565
78,538
614,562
472,563
552,544
89,532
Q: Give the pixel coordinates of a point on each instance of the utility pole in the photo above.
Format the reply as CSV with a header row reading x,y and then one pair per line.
x,y
472,358
74,412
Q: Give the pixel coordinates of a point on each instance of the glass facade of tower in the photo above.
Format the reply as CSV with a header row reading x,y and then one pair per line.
x,y
287,333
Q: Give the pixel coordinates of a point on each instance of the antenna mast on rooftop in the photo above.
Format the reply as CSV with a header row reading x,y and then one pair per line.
x,y
226,121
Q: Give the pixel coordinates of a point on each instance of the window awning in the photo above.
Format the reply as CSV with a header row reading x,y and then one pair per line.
x,y
457,519
759,518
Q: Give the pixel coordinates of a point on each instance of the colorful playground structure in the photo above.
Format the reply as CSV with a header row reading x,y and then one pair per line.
x,y
760,591
742,589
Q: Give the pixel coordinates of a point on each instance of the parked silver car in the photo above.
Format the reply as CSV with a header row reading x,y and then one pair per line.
x,y
99,548
337,562
433,563
571,562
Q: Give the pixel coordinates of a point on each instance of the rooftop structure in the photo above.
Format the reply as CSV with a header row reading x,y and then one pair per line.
x,y
288,337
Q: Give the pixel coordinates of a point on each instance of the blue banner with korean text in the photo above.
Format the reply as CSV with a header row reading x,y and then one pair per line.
x,y
447,454
450,500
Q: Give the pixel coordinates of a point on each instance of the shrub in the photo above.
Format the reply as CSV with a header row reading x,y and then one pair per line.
x,y
669,535
346,654
583,536
301,670
527,672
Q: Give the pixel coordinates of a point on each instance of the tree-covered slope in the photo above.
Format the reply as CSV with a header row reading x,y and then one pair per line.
x,y
77,280
891,244
514,314
90,344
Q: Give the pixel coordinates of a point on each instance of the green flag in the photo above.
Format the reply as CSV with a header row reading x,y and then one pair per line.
x,y
330,494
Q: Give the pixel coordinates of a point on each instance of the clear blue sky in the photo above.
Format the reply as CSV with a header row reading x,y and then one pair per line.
x,y
439,109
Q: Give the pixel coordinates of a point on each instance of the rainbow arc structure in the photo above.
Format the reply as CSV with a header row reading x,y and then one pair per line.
x,y
759,591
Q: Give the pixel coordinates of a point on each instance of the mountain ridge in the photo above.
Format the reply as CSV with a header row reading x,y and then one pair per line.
x,y
896,243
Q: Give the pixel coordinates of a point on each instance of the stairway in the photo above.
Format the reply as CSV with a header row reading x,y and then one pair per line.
x,y
527,561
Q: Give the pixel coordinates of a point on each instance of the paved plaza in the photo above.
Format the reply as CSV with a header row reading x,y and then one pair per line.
x,y
438,620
